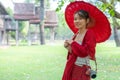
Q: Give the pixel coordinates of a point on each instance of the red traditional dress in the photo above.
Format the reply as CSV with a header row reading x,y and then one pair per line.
x,y
74,71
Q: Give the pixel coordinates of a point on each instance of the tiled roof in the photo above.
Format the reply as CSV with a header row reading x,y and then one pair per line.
x,y
24,8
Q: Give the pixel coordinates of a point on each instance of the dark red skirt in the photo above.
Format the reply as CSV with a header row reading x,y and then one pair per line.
x,y
79,73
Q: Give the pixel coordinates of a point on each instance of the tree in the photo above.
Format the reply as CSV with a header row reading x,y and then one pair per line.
x,y
42,37
110,6
62,32
41,27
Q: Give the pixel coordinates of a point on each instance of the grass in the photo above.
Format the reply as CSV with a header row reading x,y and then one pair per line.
x,y
108,58
47,62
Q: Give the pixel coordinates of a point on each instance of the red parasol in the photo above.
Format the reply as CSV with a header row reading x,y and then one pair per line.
x,y
98,21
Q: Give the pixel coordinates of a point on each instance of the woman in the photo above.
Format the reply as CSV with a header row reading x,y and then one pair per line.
x,y
81,48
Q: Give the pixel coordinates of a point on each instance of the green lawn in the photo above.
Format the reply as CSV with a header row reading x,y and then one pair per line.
x,y
47,62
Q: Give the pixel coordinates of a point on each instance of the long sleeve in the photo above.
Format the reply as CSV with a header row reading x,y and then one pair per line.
x,y
87,47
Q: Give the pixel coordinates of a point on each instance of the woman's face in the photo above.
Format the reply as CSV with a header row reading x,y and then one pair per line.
x,y
79,21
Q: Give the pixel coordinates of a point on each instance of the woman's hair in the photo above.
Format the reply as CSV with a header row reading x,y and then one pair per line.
x,y
82,13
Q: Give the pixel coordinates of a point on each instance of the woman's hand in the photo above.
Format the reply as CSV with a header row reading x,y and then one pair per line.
x,y
69,41
66,44
69,48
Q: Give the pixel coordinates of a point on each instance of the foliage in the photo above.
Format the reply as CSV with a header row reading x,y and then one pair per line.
x,y
27,1
61,4
21,25
10,12
37,1
47,4
106,6
23,28
12,34
62,31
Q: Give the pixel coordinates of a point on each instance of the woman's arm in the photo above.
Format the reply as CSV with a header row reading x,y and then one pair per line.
x,y
79,50
87,48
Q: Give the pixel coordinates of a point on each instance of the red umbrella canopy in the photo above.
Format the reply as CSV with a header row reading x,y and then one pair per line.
x,y
98,21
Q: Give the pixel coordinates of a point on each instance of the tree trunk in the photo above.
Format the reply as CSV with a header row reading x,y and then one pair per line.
x,y
41,27
115,23
52,34
116,37
17,34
